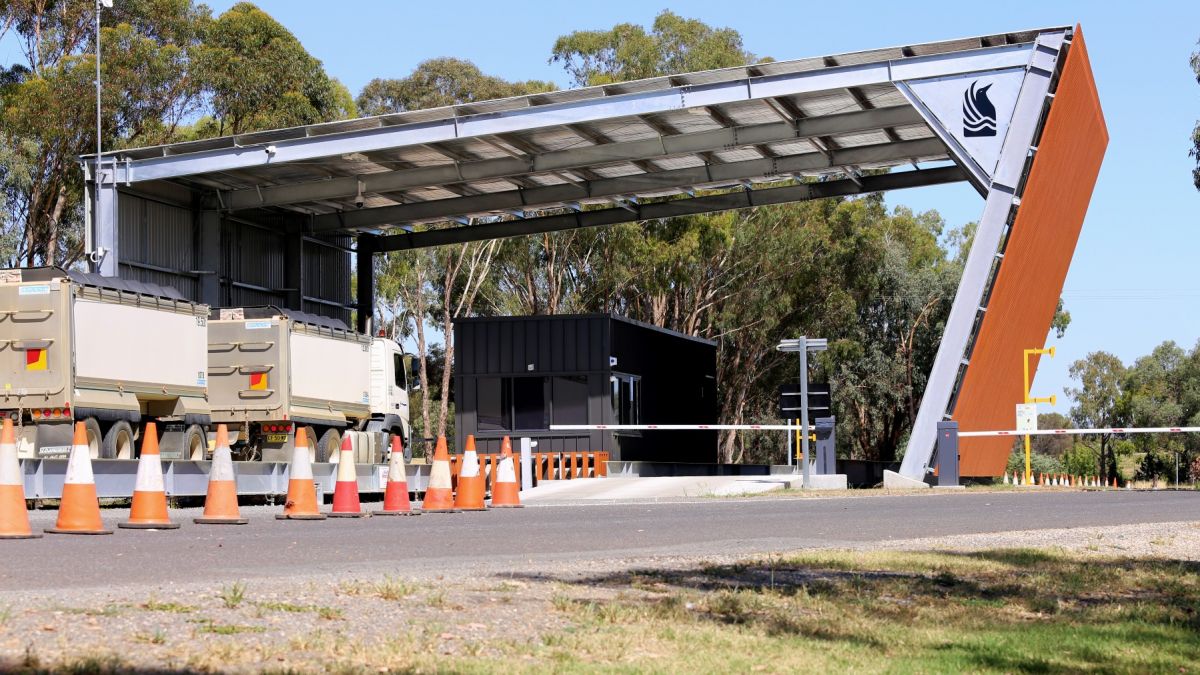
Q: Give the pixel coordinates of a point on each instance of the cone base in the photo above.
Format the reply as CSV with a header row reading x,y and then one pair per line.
x,y
360,514
507,506
221,521
395,513
471,508
130,525
31,535
300,516
55,530
441,510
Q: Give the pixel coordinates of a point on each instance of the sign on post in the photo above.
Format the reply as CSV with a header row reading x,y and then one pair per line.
x,y
1026,417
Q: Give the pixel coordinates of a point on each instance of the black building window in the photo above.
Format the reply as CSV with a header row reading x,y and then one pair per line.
x,y
626,398
529,402
494,407
570,399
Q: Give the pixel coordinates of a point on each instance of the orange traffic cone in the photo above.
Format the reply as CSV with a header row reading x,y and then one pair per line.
x,y
506,492
395,497
14,518
302,489
345,490
221,504
439,498
149,509
471,486
79,510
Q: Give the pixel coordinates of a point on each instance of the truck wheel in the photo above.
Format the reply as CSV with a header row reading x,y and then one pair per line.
x,y
195,443
94,437
310,436
329,447
118,442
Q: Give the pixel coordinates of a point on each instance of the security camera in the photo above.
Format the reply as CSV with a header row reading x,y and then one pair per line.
x,y
358,202
271,150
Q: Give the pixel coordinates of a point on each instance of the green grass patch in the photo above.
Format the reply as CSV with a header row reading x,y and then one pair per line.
x,y
1007,610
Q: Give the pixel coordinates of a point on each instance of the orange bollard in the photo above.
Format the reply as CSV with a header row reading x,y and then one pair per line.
x,y
79,510
14,517
149,508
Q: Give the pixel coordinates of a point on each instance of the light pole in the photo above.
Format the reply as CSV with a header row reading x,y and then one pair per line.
x,y
803,345
1051,400
89,240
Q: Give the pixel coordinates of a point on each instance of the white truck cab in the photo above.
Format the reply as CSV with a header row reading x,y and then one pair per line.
x,y
391,379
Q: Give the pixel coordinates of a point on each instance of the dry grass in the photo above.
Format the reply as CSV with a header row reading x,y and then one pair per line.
x,y
1006,610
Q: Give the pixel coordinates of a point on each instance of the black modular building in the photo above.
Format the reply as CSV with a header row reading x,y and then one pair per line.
x,y
517,375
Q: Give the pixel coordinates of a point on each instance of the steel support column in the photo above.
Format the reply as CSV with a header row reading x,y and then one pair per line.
x,y
364,260
210,256
970,299
106,253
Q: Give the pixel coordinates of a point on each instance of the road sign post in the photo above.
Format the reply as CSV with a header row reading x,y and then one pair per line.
x,y
803,345
1031,402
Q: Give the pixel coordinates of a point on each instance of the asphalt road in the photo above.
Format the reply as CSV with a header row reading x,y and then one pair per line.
x,y
533,539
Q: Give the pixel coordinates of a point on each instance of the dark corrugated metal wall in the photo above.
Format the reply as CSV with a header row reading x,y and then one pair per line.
x,y
160,243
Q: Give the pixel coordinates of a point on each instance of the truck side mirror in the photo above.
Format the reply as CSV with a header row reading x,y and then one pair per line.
x,y
414,372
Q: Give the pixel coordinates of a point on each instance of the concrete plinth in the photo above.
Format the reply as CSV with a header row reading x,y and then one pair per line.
x,y
834,481
894,481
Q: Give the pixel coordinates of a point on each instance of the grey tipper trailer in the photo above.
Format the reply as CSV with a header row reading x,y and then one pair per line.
x,y
111,353
273,371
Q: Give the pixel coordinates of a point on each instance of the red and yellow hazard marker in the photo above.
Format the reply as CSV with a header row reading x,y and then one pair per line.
x,y
258,381
35,359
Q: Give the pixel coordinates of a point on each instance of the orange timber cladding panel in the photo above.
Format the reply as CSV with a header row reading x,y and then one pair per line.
x,y
1035,264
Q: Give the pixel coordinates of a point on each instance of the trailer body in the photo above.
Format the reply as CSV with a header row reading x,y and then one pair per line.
x,y
110,353
273,371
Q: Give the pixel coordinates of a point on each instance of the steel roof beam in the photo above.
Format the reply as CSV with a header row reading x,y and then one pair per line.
x,y
551,195
574,158
676,207
314,147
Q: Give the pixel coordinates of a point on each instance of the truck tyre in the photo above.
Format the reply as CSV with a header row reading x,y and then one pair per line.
x,y
118,442
310,436
94,437
195,443
329,447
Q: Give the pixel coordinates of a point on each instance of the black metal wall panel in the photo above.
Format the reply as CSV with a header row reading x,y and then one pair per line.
x,y
157,244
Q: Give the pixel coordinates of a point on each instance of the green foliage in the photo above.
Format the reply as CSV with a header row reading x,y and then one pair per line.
x,y
440,82
260,77
169,71
1038,463
628,52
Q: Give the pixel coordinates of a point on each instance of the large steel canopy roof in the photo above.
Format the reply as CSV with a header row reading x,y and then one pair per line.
x,y
639,150
1015,114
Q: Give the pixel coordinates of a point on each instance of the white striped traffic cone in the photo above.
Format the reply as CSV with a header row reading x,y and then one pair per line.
x,y
79,509
221,503
14,517
149,508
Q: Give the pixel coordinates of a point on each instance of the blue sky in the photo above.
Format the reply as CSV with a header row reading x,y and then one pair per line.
x,y
1133,282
